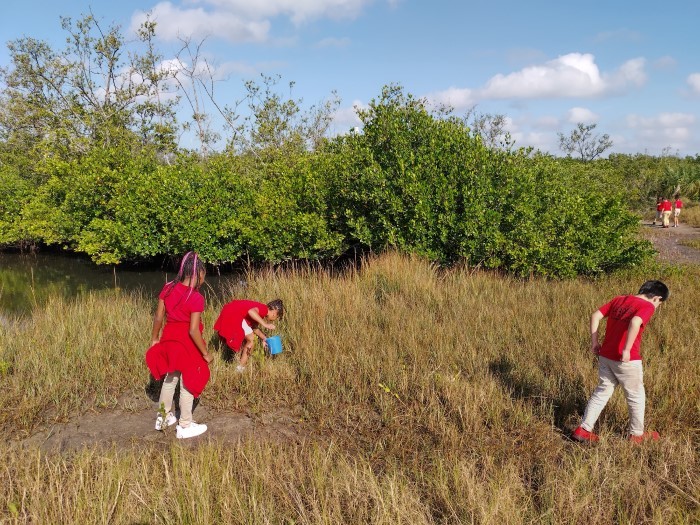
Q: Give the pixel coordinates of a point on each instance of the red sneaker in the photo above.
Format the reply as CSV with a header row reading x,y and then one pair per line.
x,y
584,436
653,436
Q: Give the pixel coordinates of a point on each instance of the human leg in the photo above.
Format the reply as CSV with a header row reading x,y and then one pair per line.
x,y
187,428
601,395
167,391
186,403
631,379
247,348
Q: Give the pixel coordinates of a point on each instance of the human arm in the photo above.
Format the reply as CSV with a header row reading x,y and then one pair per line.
x,y
255,316
632,331
158,318
595,322
261,335
196,335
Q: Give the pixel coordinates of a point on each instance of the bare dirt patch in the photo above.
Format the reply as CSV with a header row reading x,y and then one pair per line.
x,y
126,428
668,242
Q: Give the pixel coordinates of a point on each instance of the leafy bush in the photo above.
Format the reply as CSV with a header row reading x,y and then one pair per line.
x,y
425,184
415,180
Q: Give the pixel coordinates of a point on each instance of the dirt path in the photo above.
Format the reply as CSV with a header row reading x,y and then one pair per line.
x,y
124,429
667,241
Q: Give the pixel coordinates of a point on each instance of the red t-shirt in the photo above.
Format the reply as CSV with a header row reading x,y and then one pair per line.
x,y
620,312
181,302
679,204
659,206
232,315
666,205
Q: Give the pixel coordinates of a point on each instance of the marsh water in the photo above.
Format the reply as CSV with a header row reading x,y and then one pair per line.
x,y
29,279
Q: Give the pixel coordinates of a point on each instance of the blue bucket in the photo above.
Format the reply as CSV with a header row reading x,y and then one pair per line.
x,y
274,343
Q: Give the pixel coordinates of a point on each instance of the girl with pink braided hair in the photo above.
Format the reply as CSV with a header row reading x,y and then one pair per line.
x,y
180,352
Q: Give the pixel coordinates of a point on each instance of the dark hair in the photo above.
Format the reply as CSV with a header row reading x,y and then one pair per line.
x,y
190,266
277,304
651,289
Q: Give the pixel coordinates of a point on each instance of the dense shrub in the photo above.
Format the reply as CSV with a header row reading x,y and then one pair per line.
x,y
416,180
427,185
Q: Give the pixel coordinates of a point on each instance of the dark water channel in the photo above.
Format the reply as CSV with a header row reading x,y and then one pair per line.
x,y
29,279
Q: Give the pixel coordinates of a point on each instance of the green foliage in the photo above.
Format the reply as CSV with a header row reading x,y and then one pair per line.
x,y
425,184
414,180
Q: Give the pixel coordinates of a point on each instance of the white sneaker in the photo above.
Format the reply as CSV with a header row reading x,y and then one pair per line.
x,y
170,420
240,369
194,429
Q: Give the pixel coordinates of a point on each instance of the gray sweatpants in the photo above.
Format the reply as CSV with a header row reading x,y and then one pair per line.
x,y
630,377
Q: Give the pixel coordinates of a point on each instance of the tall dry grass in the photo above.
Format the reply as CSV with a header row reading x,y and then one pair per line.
x,y
691,215
434,397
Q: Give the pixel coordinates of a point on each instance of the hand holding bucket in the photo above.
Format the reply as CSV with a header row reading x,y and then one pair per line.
x,y
274,343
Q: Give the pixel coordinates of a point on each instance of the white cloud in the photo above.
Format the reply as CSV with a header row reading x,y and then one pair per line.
x,y
572,75
542,141
174,22
665,63
576,115
457,98
244,69
665,129
241,20
662,120
694,83
631,73
298,10
346,118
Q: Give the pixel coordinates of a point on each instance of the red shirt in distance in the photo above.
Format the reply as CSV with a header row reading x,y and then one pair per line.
x,y
679,204
659,206
620,312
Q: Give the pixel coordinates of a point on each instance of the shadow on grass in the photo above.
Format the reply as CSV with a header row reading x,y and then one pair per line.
x,y
217,343
563,403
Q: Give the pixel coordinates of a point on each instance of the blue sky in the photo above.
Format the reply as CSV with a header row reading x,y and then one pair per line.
x,y
630,68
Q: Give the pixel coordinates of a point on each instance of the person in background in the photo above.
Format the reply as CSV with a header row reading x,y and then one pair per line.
x,y
180,353
238,324
666,211
619,359
677,206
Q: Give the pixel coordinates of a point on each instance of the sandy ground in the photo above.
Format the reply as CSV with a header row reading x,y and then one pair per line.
x,y
125,429
667,242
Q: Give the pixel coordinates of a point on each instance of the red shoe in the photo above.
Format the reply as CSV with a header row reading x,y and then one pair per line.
x,y
653,436
584,436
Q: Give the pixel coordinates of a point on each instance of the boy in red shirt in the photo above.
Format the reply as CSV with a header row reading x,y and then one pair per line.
x,y
666,211
677,211
238,324
619,360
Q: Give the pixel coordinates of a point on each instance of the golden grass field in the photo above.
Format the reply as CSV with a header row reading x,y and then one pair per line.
x,y
429,396
691,216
